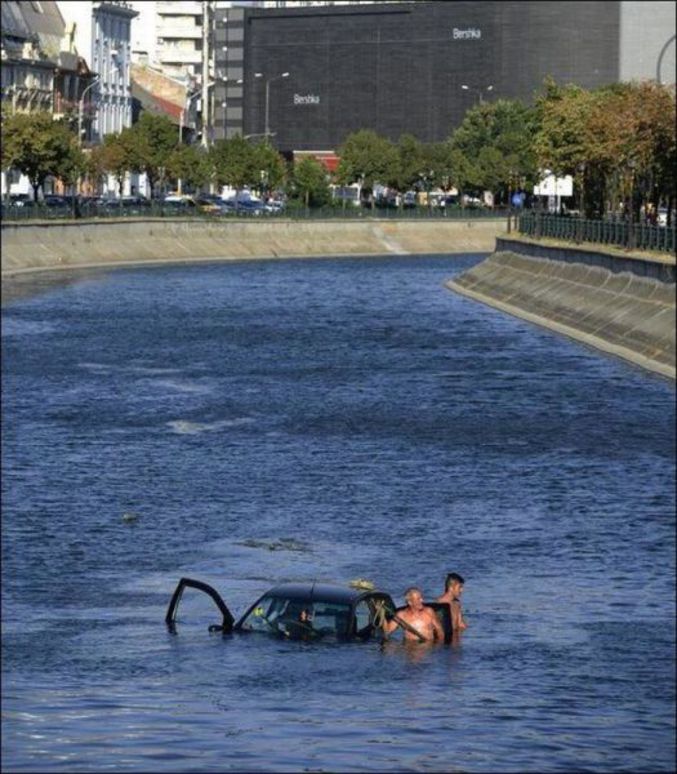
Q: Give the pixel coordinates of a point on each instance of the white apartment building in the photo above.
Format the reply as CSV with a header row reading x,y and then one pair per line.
x,y
103,38
179,38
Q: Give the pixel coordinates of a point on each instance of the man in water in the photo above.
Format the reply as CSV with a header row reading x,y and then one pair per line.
x,y
453,588
422,623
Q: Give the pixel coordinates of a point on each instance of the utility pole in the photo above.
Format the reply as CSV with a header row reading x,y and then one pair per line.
x,y
205,73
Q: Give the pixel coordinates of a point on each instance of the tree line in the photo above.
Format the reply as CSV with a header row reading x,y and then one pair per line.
x,y
617,142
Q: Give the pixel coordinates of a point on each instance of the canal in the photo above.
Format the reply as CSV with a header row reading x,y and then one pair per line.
x,y
330,419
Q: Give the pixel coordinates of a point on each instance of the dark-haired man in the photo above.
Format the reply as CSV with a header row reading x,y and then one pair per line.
x,y
453,588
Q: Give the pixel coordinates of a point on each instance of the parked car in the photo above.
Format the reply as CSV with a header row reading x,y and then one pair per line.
x,y
179,205
662,216
388,201
20,200
210,203
274,206
409,200
308,611
472,202
249,207
135,205
447,201
228,207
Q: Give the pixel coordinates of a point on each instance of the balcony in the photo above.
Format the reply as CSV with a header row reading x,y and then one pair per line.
x,y
179,56
170,30
178,8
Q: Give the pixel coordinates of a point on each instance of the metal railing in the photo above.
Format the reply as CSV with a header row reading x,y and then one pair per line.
x,y
618,233
32,211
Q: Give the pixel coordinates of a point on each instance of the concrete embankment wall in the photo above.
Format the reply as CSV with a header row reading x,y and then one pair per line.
x,y
39,246
622,313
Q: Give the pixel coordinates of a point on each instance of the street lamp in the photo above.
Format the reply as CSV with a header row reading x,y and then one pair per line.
x,y
187,107
580,168
81,106
465,87
12,88
268,82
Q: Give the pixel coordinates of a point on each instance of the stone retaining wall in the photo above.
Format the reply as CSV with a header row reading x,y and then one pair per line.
x,y
49,245
624,314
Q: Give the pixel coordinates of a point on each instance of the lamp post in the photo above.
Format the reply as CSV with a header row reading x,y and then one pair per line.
x,y
630,202
267,110
427,184
81,106
581,171
12,89
183,113
479,92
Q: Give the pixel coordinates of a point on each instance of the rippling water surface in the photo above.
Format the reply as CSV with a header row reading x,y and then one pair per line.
x,y
386,428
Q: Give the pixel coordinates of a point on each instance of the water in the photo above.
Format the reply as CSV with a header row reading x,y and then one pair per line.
x,y
392,430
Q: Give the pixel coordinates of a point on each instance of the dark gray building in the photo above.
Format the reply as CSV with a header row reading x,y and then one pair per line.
x,y
416,67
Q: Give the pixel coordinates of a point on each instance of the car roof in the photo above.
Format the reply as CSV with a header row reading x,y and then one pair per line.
x,y
320,592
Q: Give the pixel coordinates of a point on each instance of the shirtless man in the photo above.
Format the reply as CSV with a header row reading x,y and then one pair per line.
x,y
453,588
419,617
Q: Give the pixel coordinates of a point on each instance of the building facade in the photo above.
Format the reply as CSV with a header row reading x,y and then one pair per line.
x,y
102,34
417,67
111,58
41,69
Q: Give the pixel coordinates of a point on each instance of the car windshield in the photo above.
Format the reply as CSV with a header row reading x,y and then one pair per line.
x,y
298,617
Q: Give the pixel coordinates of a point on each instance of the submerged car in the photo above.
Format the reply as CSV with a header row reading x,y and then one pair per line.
x,y
309,611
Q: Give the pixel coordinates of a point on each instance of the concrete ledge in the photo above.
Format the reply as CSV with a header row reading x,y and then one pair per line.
x,y
78,244
630,316
657,265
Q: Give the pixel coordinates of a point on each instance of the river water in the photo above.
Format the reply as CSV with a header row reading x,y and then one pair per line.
x,y
327,420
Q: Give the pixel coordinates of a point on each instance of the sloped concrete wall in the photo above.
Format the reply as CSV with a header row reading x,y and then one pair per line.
x,y
624,314
35,246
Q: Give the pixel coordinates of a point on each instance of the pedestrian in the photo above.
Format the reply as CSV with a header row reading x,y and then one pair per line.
x,y
453,588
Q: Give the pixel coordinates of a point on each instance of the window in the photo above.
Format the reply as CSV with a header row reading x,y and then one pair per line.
x,y
362,617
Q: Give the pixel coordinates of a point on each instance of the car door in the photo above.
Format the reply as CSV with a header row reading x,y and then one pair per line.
x,y
227,620
369,612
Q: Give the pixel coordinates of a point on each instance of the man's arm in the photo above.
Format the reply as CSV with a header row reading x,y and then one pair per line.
x,y
437,626
457,621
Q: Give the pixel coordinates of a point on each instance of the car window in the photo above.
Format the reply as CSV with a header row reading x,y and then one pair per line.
x,y
294,617
363,617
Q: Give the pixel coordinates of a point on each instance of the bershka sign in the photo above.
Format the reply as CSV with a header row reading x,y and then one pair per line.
x,y
306,99
471,33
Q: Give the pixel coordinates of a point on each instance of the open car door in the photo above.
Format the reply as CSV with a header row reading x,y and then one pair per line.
x,y
227,620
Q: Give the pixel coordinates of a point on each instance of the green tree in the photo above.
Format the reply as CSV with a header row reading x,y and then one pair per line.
x,y
411,161
233,162
309,182
190,164
369,158
268,165
618,141
34,144
149,144
439,159
71,165
115,157
494,147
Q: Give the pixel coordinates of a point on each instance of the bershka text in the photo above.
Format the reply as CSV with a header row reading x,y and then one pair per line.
x,y
470,34
306,99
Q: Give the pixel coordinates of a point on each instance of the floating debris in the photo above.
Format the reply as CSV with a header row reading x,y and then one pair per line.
x,y
283,544
128,517
362,583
